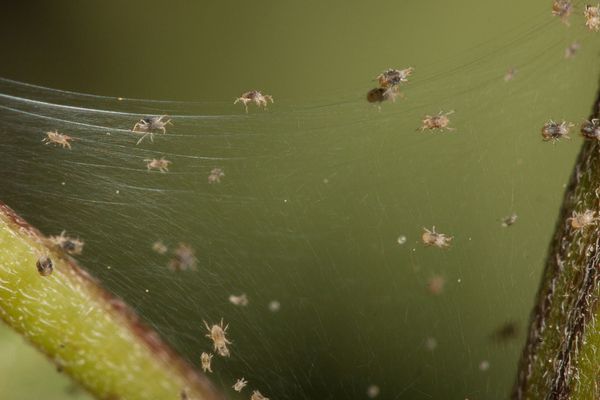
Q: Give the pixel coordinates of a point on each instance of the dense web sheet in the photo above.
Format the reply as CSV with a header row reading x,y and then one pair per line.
x,y
309,213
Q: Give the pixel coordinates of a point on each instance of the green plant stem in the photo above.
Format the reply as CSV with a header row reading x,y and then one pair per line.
x,y
561,359
88,333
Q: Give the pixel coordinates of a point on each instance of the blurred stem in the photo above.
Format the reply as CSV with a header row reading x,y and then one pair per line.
x,y
561,359
89,334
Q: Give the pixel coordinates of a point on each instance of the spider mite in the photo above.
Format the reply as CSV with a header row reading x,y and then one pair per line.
x,y
239,384
439,121
591,129
393,77
509,220
553,131
562,9
159,247
379,95
68,244
44,266
217,333
205,359
256,395
162,165
571,50
584,219
254,96
432,238
505,332
592,17
241,300
436,284
58,139
510,74
151,124
215,175
184,258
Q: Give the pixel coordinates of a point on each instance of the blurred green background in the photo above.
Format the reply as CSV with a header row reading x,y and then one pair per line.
x,y
317,189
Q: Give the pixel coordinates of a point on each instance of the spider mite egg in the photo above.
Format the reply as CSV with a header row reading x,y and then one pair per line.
x,y
554,131
430,343
274,306
44,266
562,9
591,129
373,391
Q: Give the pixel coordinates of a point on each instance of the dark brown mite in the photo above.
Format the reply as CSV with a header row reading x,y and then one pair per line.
x,y
506,332
376,95
591,129
44,266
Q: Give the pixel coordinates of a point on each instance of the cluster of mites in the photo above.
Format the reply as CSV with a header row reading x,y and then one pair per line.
x,y
564,8
218,334
147,126
554,131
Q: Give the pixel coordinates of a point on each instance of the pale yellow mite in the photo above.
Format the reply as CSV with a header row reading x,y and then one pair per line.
x,y
217,333
239,384
241,300
184,258
583,220
149,125
215,175
592,17
433,238
161,164
254,96
159,247
256,395
439,121
205,359
58,139
509,220
562,9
